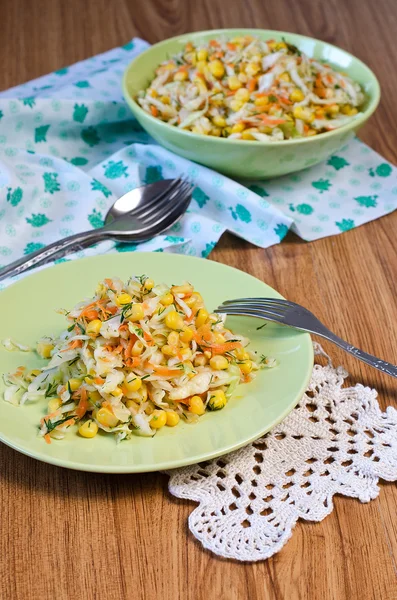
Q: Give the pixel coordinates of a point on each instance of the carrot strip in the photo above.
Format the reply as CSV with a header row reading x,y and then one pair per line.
x,y
47,438
165,371
154,110
83,404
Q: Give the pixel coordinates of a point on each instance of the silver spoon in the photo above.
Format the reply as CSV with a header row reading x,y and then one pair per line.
x,y
137,216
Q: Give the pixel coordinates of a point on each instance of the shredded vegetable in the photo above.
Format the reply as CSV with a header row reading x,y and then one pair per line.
x,y
134,358
250,89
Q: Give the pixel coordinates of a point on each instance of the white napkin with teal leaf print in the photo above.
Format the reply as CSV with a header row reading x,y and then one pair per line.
x,y
69,147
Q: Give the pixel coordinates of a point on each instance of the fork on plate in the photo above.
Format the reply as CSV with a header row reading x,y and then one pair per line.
x,y
292,314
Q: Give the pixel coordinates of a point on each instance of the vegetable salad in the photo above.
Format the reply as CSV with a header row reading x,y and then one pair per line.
x,y
250,89
134,358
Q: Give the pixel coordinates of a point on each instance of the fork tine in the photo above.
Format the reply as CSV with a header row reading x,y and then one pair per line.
x,y
174,186
178,196
247,312
259,306
168,216
270,301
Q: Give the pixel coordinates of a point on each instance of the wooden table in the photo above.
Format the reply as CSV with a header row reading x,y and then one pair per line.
x,y
70,535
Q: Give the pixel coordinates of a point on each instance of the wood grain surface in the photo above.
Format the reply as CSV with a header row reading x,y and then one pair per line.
x,y
70,535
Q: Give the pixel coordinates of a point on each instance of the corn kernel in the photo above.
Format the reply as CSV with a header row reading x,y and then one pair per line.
x,y
242,77
165,100
167,299
261,101
305,114
181,76
159,419
168,350
44,349
201,66
54,404
173,320
234,83
148,284
182,289
123,299
202,55
196,405
195,300
217,400
106,417
284,76
186,335
246,367
172,419
132,404
94,327
238,128
94,396
153,93
332,109
242,95
311,132
200,360
74,383
241,354
246,135
135,313
173,338
143,392
89,429
252,69
219,338
219,363
219,121
216,132
202,317
235,105
216,68
116,392
296,95
186,353
132,383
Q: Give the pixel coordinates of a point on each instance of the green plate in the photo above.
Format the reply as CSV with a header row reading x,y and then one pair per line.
x,y
28,309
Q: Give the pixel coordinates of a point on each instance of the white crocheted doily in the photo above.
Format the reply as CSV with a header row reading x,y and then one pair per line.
x,y
336,441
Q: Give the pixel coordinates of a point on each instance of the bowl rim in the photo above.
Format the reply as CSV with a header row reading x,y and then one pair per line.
x,y
360,119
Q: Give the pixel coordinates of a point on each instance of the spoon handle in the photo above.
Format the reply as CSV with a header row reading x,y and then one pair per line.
x,y
44,254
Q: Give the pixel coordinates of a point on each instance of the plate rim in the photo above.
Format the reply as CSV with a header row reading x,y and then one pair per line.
x,y
178,463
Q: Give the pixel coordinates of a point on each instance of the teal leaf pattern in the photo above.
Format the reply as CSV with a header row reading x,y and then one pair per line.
x,y
303,209
367,201
128,46
90,136
51,185
32,247
29,101
95,219
80,112
40,133
114,170
241,212
61,71
79,161
208,248
82,84
383,170
323,185
345,224
126,247
98,186
153,174
281,230
38,220
258,190
14,196
200,197
338,162
1,114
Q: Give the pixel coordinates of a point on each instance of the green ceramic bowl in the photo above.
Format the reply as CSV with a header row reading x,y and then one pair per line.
x,y
242,158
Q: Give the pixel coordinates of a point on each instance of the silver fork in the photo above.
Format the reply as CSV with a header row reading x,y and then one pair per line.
x,y
138,225
292,314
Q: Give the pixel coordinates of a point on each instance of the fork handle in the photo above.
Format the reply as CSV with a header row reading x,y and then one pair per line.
x,y
42,255
373,361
